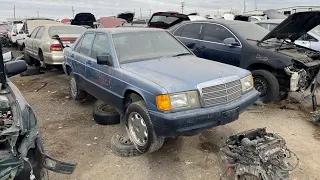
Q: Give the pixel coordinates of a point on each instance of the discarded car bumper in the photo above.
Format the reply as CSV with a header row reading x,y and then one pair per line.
x,y
53,58
178,123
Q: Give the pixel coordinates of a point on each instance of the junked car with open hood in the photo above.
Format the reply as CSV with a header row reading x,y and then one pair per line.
x,y
277,64
22,153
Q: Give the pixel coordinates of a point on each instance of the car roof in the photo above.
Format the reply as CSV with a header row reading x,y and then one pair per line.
x,y
58,24
223,22
125,30
275,21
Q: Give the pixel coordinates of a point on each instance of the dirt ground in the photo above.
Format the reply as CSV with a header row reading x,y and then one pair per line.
x,y
71,134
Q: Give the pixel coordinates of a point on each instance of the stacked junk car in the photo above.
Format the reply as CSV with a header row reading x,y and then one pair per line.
x,y
175,89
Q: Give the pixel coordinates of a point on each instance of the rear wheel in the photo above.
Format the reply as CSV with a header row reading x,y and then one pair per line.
x,y
267,84
76,93
140,128
28,59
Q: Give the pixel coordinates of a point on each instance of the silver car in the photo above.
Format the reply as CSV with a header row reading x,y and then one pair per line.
x,y
41,48
309,40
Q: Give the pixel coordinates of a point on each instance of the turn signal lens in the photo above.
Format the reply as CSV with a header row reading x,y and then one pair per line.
x,y
163,102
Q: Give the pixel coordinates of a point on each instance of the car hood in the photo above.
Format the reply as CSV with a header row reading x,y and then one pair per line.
x,y
295,26
184,73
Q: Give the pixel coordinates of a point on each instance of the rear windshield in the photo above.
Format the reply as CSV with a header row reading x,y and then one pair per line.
x,y
4,27
249,31
152,45
56,30
165,19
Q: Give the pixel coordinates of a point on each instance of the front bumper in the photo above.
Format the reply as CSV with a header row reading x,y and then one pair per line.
x,y
55,58
179,123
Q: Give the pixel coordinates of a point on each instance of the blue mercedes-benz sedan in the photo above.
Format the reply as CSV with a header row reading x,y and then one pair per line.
x,y
157,84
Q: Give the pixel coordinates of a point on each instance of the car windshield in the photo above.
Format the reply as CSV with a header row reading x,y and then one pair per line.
x,y
250,31
56,30
144,45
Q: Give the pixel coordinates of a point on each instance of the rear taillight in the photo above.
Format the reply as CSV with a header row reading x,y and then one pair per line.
x,y
14,35
70,40
56,47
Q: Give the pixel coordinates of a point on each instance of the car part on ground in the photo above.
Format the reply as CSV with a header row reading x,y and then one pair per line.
x,y
32,70
252,47
122,146
258,155
21,147
140,128
105,115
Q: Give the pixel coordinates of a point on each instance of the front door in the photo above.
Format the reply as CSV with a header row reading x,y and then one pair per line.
x,y
212,45
189,35
100,76
305,40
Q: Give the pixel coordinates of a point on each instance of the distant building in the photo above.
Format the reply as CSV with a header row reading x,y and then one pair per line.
x,y
291,10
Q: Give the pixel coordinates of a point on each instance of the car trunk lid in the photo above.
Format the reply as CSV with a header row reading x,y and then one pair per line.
x,y
165,20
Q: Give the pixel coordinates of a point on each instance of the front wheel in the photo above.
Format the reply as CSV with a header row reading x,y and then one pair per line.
x,y
140,128
267,84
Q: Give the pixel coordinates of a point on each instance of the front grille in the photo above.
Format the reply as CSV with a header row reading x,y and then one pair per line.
x,y
222,93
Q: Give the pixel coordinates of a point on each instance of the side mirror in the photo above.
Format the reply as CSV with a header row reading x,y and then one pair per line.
x,y
230,42
15,67
105,60
7,57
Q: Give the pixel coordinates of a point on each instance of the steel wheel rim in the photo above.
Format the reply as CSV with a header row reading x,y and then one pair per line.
x,y
73,87
261,85
138,129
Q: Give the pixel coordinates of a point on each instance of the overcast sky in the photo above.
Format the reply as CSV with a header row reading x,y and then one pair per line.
x,y
63,8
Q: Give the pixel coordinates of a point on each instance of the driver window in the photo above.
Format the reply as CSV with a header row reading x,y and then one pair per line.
x,y
100,46
216,33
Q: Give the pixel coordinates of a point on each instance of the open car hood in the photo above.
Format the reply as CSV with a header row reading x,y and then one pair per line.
x,y
166,20
295,26
128,16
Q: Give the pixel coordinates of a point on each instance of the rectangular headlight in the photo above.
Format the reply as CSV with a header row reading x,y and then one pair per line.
x,y
247,83
181,100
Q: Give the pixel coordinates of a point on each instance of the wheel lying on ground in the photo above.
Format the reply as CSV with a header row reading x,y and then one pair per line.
x,y
31,71
105,115
76,93
28,59
267,84
140,129
122,146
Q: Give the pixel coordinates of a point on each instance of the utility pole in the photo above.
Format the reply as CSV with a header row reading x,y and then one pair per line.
x,y
244,6
150,12
255,5
38,13
140,14
72,12
14,12
182,6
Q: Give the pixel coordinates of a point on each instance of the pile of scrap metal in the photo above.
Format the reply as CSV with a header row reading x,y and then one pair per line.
x,y
256,154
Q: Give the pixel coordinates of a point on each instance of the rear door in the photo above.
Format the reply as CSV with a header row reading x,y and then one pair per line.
x,y
189,35
99,76
29,41
80,56
213,48
37,41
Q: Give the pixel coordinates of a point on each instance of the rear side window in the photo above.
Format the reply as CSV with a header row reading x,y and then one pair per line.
x,y
34,32
179,31
40,32
86,44
191,31
266,26
216,33
100,46
77,48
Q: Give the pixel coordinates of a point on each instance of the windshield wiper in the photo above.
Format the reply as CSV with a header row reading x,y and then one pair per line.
x,y
258,41
181,54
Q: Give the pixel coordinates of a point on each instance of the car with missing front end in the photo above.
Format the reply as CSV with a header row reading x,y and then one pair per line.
x,y
277,64
22,151
157,85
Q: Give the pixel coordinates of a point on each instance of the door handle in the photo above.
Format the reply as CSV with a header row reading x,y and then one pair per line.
x,y
89,62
